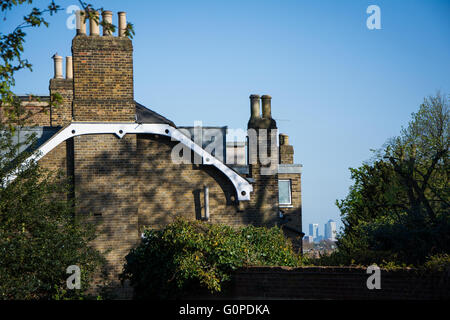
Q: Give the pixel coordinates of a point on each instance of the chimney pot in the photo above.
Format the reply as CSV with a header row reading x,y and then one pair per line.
x,y
69,69
107,17
93,25
81,22
58,66
122,23
266,106
254,106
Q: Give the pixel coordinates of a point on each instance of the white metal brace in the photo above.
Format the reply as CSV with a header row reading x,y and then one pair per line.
x,y
242,186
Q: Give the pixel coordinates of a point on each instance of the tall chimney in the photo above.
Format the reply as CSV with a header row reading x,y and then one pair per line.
x,y
69,69
107,17
266,107
58,66
122,23
286,151
103,79
93,25
81,22
62,114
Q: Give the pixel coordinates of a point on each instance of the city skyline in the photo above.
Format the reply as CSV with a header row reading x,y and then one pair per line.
x,y
330,230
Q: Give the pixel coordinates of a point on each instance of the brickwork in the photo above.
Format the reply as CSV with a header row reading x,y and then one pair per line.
x,y
286,154
105,167
37,113
262,209
103,79
292,220
336,283
293,213
167,189
105,189
61,115
56,159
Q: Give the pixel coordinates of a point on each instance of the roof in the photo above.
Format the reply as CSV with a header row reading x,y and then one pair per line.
x,y
33,98
42,134
145,115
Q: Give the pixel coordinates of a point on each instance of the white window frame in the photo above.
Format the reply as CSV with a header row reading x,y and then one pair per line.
x,y
286,205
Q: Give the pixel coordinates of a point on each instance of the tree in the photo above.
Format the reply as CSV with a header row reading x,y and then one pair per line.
x,y
39,234
398,208
419,157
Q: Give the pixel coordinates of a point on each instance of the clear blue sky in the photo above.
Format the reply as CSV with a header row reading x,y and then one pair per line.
x,y
338,88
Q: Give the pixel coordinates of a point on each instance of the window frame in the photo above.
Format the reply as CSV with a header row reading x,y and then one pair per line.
x,y
285,205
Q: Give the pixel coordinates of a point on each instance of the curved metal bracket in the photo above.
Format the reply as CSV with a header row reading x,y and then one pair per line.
x,y
242,186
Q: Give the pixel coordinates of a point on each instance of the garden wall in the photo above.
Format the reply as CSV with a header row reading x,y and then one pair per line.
x,y
334,283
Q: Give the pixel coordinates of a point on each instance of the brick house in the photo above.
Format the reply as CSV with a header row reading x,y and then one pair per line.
x,y
120,154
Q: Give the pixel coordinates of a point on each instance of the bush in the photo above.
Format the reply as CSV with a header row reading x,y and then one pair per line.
x,y
40,238
40,235
438,262
189,255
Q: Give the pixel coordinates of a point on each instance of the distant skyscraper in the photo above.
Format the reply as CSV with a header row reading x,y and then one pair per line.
x,y
314,230
330,230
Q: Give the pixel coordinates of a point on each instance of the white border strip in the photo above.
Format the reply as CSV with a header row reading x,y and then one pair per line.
x,y
290,168
242,186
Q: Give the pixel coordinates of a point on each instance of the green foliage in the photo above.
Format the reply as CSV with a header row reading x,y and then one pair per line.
x,y
398,208
12,45
438,262
187,255
39,234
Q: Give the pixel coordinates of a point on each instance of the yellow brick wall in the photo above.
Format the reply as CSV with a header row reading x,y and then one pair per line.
x,y
128,184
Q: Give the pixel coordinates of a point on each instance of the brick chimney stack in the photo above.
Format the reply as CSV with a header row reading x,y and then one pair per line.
x,y
286,150
104,165
103,75
260,128
62,114
263,160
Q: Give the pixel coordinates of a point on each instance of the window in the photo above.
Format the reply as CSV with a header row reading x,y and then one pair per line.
x,y
284,192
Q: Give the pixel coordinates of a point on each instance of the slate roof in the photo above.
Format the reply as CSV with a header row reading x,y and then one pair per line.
x,y
145,115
